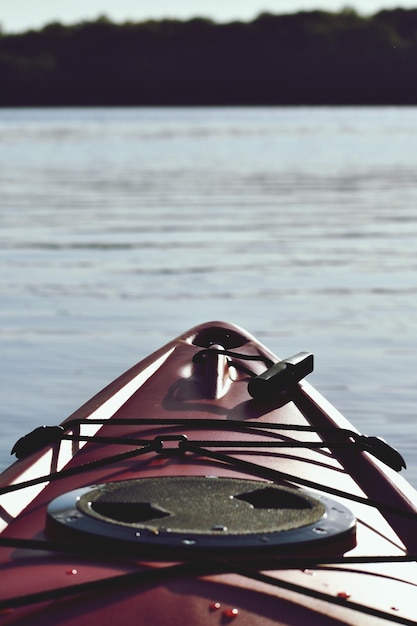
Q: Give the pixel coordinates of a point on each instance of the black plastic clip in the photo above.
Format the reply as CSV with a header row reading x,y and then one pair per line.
x,y
159,444
281,376
382,451
36,440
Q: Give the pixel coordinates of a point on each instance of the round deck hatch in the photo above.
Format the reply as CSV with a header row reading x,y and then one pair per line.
x,y
172,516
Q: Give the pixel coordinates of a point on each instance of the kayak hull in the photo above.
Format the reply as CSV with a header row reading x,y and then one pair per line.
x,y
128,510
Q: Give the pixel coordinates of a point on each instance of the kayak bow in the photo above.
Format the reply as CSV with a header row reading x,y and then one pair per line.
x,y
208,483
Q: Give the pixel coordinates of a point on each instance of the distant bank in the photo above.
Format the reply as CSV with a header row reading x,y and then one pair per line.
x,y
308,58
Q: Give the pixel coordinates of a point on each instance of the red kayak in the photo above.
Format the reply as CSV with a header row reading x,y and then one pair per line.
x,y
209,484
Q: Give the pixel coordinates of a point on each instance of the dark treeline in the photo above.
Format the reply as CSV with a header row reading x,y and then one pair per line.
x,y
306,58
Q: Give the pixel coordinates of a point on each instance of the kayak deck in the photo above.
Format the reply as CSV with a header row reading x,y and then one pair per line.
x,y
209,483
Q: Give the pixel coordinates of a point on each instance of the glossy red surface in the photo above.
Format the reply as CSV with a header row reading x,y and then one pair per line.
x,y
108,587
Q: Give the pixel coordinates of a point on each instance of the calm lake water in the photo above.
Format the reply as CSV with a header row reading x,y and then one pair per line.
x,y
121,228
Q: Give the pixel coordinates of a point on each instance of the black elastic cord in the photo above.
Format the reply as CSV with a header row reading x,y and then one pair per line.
x,y
79,469
197,423
239,464
201,355
277,475
48,435
208,423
